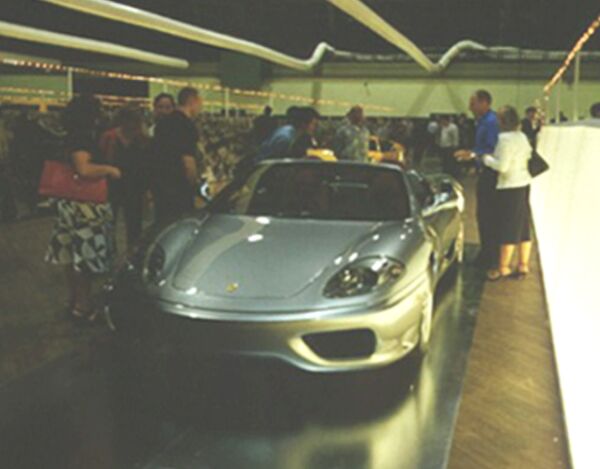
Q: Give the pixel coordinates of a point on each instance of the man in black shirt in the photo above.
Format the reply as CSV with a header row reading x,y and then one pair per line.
x,y
175,147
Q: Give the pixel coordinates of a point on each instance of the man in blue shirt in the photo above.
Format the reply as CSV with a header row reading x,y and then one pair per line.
x,y
279,144
486,138
293,139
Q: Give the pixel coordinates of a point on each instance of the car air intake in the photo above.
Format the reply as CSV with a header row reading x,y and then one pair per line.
x,y
356,343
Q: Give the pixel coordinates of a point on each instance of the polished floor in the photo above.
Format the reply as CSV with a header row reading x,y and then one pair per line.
x,y
511,415
71,398
108,409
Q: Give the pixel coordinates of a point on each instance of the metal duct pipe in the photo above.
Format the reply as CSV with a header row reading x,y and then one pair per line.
x,y
146,19
363,14
26,33
355,8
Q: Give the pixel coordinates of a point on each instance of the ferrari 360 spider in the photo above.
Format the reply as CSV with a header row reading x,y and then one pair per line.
x,y
328,266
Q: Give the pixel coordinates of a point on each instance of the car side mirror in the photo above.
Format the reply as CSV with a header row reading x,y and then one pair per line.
x,y
441,201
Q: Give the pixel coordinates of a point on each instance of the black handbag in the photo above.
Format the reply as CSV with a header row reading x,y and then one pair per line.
x,y
537,165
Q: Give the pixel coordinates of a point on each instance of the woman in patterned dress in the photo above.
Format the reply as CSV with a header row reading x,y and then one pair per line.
x,y
82,240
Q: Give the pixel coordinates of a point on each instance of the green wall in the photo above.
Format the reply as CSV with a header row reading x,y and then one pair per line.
x,y
420,97
404,88
57,83
409,91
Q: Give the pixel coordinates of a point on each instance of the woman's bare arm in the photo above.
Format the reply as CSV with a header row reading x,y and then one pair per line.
x,y
82,161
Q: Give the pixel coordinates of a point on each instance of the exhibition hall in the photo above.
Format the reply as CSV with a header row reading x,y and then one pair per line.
x,y
299,234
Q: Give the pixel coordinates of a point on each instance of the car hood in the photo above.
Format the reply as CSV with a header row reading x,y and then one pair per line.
x,y
241,257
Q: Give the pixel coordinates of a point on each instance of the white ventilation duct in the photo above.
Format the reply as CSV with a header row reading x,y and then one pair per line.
x,y
146,19
355,8
26,33
365,15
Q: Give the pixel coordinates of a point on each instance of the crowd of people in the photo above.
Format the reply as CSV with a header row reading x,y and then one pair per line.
x,y
163,163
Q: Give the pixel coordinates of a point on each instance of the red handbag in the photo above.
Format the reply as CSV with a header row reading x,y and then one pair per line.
x,y
60,181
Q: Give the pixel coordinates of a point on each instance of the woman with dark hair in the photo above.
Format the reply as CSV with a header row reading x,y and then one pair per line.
x,y
82,238
510,160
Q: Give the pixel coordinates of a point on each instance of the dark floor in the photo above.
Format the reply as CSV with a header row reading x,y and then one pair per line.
x,y
105,409
33,325
69,398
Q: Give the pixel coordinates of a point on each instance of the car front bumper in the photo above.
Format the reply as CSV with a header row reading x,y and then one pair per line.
x,y
369,339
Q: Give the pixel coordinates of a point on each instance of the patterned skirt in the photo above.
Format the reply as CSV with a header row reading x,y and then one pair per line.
x,y
82,237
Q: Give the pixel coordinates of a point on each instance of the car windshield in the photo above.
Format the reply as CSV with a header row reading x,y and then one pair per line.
x,y
323,191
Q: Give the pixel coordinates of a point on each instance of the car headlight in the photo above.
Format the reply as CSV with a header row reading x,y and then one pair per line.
x,y
155,262
363,277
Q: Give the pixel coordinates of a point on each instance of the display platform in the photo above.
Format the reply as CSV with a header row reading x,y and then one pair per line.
x,y
564,203
100,410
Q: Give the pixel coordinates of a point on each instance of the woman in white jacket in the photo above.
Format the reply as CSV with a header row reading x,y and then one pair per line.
x,y
510,160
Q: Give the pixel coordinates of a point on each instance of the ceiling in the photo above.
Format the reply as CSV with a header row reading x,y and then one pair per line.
x,y
297,26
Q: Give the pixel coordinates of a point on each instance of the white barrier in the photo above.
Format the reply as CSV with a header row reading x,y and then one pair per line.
x,y
566,211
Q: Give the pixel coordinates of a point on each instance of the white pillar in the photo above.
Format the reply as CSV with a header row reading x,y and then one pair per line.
x,y
576,80
546,108
557,110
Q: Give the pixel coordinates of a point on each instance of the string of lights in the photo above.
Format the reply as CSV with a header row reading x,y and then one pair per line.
x,y
35,96
44,92
585,37
59,68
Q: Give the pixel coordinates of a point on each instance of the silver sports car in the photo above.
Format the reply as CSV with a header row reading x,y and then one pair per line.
x,y
328,266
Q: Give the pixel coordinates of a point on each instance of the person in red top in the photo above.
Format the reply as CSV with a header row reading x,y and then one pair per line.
x,y
81,240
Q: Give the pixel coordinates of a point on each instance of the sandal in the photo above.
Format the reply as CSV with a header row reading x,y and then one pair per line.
x,y
497,274
522,272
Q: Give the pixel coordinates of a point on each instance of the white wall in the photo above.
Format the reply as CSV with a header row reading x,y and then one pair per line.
x,y
566,210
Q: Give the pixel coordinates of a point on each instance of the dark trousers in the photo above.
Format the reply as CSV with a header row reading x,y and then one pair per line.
x,y
449,164
132,204
487,217
8,205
